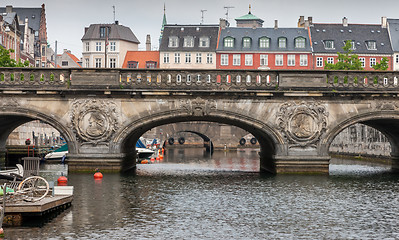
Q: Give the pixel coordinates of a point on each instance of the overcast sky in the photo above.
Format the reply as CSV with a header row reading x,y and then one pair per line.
x,y
67,19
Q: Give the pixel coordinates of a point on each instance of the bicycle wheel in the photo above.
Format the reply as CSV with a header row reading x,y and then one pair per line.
x,y
33,188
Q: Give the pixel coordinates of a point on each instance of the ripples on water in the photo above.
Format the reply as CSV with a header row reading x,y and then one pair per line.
x,y
225,198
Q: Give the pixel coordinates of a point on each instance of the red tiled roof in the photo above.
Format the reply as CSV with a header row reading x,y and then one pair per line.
x,y
141,57
74,58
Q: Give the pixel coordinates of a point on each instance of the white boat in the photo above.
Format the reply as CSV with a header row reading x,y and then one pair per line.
x,y
144,152
18,170
58,154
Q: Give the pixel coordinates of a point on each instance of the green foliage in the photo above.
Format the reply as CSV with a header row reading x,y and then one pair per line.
x,y
346,60
6,61
382,65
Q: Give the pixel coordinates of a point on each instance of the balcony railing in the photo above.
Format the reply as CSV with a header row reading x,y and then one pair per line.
x,y
197,80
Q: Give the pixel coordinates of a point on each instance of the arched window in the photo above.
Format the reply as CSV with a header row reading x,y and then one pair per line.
x,y
228,42
246,42
264,42
300,42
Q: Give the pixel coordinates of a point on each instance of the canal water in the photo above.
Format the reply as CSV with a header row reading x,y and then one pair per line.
x,y
191,195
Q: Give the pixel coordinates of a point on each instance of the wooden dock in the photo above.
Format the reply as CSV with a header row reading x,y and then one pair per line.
x,y
16,212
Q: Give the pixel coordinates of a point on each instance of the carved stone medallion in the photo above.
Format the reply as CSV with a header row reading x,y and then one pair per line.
x,y
94,121
303,123
198,106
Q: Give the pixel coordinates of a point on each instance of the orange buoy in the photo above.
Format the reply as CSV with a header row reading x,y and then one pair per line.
x,y
145,161
152,159
62,181
98,175
157,158
160,157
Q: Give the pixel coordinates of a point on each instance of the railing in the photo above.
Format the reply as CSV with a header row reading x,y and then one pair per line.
x,y
197,79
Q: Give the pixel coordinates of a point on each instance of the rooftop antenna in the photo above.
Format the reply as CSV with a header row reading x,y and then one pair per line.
x,y
114,12
227,11
202,15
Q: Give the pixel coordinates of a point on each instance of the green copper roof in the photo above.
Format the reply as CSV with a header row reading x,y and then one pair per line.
x,y
249,16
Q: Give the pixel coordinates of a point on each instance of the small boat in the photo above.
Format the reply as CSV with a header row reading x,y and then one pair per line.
x,y
17,170
142,151
58,154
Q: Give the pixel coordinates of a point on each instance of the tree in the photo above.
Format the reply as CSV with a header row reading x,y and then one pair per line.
x,y
7,61
346,60
382,65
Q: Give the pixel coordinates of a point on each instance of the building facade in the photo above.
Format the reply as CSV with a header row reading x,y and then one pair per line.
x,y
369,41
141,59
250,46
189,46
393,29
106,45
10,34
68,60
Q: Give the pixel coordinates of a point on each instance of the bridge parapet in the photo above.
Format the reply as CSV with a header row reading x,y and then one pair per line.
x,y
197,80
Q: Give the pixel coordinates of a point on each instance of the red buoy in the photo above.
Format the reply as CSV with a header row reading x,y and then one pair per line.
x,y
98,175
62,181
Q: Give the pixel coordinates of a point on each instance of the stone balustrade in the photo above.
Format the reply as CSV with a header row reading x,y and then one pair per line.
x,y
198,80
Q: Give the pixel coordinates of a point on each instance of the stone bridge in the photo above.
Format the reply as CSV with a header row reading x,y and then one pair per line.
x,y
295,115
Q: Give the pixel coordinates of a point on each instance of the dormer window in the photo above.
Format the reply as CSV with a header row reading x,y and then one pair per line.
x,y
282,42
228,42
264,42
300,42
371,45
103,32
204,42
246,42
329,44
188,41
173,41
353,47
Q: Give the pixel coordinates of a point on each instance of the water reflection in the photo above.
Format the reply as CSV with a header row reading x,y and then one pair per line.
x,y
189,196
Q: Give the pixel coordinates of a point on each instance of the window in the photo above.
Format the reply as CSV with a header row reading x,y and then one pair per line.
x,y
319,62
98,46
372,62
263,60
363,61
132,64
166,58
209,58
330,60
98,62
291,60
353,47
112,46
37,63
279,60
303,60
236,60
87,62
329,44
112,63
228,42
177,57
43,50
173,42
150,64
246,42
264,42
300,42
87,47
64,63
224,59
102,32
282,42
188,57
188,41
204,42
371,45
198,58
248,59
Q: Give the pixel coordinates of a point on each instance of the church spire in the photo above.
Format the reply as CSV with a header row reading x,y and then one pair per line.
x,y
164,22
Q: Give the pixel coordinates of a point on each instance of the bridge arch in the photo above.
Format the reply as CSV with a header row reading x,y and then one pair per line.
x,y
11,119
269,140
387,122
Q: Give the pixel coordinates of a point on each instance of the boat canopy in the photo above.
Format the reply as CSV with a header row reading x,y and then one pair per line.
x,y
139,144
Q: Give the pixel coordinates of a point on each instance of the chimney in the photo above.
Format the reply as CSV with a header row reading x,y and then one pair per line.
x,y
8,9
223,23
275,24
344,22
384,22
306,25
86,28
301,21
148,43
310,20
116,22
